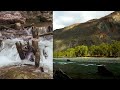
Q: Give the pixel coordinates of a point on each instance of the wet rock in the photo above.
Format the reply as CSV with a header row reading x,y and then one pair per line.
x,y
17,25
49,29
32,59
41,68
23,72
59,74
102,70
45,53
68,60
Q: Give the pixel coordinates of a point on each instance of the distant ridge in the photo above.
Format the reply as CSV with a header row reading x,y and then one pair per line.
x,y
93,32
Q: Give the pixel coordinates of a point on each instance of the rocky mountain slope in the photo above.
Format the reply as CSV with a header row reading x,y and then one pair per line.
x,y
92,32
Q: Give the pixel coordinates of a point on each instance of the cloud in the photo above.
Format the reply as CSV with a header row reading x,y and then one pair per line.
x,y
57,26
66,18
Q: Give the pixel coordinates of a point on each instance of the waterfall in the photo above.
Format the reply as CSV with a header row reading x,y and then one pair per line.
x,y
10,56
46,62
8,53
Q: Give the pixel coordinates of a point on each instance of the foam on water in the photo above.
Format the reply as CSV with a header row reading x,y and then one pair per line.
x,y
4,61
46,62
10,56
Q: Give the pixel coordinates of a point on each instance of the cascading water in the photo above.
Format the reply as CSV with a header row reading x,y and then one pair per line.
x,y
47,46
8,53
10,56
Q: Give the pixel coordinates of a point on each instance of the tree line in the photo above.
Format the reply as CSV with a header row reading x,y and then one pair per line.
x,y
102,50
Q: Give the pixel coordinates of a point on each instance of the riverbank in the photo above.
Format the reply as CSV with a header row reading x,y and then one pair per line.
x,y
87,68
90,59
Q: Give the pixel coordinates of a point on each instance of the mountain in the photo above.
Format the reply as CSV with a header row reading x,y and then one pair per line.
x,y
93,32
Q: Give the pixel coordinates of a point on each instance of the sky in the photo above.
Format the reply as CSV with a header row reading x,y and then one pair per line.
x,y
65,18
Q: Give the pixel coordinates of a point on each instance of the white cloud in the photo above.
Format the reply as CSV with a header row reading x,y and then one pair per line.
x,y
57,26
66,18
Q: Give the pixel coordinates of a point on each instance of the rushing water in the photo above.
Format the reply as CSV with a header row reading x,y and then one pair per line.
x,y
10,56
87,67
86,61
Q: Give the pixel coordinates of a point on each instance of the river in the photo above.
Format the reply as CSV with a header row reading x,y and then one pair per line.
x,y
87,67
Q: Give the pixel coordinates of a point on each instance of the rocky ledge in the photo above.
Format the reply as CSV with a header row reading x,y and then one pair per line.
x,y
23,72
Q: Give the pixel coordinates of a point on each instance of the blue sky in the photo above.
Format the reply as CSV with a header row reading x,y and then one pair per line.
x,y
66,18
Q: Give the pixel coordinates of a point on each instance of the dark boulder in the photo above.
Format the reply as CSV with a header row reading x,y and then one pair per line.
x,y
60,75
41,68
68,60
49,29
31,58
104,72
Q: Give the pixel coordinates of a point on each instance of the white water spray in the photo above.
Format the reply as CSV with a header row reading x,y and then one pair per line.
x,y
10,56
